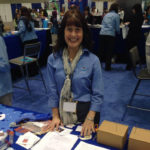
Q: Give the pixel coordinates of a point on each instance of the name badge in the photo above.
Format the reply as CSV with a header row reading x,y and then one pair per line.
x,y
69,106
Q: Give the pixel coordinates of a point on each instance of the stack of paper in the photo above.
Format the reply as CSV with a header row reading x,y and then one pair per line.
x,y
27,140
56,141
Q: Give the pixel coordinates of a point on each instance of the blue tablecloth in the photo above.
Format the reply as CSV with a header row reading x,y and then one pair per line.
x,y
120,44
13,114
14,47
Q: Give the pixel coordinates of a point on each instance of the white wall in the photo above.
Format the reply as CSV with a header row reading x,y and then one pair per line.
x,y
99,6
42,5
5,12
28,5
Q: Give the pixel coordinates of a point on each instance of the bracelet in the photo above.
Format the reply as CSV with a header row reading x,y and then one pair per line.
x,y
91,119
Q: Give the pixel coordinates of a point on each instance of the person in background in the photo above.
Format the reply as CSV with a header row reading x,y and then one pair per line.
x,y
134,23
1,26
110,26
87,15
27,34
147,17
5,76
62,12
26,29
45,14
105,11
94,11
71,78
54,21
16,21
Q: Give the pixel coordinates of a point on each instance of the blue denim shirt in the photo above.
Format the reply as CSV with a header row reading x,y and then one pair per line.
x,y
5,76
24,34
110,24
87,84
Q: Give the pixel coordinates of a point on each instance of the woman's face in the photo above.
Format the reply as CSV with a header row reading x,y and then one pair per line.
x,y
73,36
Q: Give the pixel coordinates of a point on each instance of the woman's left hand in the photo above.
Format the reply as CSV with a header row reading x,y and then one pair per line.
x,y
87,128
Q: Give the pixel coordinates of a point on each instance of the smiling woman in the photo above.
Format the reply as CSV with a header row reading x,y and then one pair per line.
x,y
74,76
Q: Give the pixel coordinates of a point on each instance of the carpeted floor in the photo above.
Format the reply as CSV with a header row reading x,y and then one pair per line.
x,y
118,87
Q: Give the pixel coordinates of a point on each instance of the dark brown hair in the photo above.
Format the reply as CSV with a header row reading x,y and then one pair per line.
x,y
73,17
26,17
114,7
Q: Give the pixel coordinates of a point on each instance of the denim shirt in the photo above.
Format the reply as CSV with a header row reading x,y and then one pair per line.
x,y
87,84
24,34
5,76
110,24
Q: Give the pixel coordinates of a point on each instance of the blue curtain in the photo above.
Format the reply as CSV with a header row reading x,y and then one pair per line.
x,y
105,5
36,5
79,3
61,2
14,7
92,4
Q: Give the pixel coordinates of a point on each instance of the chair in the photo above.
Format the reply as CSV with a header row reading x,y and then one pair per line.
x,y
31,54
142,74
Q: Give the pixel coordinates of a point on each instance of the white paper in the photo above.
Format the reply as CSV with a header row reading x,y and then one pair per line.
x,y
86,146
2,116
55,141
70,126
65,131
69,106
79,128
27,140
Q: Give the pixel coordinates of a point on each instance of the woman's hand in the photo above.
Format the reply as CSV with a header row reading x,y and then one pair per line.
x,y
56,122
87,128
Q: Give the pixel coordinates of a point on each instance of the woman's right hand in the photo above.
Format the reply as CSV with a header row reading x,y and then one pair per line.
x,y
56,122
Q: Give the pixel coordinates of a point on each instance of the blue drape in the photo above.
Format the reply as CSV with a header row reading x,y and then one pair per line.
x,y
36,5
14,7
105,5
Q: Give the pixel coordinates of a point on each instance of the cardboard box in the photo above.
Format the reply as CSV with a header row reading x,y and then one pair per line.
x,y
112,134
139,139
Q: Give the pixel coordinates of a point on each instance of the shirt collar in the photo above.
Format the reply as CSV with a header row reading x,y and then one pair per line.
x,y
85,50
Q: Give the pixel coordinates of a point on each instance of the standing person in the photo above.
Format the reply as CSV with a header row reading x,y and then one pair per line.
x,y
5,76
1,26
74,75
135,31
26,29
110,25
54,21
87,15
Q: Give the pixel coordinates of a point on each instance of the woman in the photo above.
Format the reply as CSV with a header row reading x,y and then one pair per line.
x,y
134,34
87,15
110,26
74,75
54,21
26,27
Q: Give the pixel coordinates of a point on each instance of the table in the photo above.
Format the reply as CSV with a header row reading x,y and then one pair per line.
x,y
120,45
13,114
